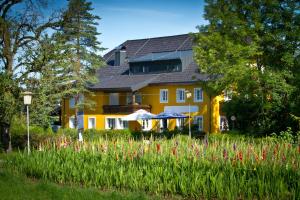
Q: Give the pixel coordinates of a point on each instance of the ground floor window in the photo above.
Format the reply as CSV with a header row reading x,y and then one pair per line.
x,y
180,123
223,123
91,122
111,123
146,124
115,123
72,122
198,121
163,124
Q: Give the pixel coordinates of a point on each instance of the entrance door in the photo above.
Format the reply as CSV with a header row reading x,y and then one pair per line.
x,y
113,98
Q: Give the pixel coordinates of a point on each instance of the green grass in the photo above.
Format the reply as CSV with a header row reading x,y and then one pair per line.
x,y
14,187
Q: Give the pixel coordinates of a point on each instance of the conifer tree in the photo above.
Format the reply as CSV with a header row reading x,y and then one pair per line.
x,y
79,33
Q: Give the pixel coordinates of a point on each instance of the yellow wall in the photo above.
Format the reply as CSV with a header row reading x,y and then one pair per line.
x,y
151,96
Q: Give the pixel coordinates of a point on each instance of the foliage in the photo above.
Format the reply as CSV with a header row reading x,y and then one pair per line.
x,y
9,94
217,167
251,47
79,35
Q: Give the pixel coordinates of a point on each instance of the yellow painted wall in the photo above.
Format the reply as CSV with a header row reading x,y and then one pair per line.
x,y
151,96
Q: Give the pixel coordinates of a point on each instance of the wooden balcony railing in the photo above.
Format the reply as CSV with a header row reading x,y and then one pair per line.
x,y
113,109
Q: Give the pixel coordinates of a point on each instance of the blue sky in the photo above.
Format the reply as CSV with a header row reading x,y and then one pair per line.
x,y
123,20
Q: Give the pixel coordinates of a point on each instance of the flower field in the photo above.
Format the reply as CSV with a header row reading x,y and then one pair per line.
x,y
216,167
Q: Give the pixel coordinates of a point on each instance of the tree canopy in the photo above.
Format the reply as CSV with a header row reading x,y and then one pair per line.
x,y
254,48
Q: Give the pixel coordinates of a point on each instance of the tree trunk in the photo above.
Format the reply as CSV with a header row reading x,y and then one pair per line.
x,y
5,137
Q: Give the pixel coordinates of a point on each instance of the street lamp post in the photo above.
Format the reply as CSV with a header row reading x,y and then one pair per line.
x,y
188,95
27,102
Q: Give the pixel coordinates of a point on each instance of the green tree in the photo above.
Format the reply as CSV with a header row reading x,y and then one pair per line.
x,y
79,33
21,25
253,48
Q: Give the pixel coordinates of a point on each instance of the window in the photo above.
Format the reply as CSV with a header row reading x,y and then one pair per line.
x,y
72,122
163,124
72,102
180,95
138,98
110,123
122,124
198,95
223,124
114,99
198,120
227,95
146,124
180,123
164,96
91,122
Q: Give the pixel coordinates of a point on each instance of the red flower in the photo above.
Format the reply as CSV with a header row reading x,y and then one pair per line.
x,y
157,148
174,152
240,155
264,154
225,154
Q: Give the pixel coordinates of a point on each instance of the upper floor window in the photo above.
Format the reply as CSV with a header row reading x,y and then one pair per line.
x,y
180,95
72,101
198,95
138,98
151,67
164,96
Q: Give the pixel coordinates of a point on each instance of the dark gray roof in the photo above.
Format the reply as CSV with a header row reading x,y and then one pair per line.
x,y
117,78
141,47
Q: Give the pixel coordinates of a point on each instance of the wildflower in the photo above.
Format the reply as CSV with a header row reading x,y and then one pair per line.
x,y
174,152
283,158
240,155
234,147
157,148
264,154
225,154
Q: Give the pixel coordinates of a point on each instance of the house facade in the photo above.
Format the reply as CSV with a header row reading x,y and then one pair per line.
x,y
154,74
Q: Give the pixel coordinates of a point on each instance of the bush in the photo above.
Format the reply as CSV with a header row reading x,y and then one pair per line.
x,y
73,133
91,134
18,131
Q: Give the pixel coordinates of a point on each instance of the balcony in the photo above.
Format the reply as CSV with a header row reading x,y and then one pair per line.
x,y
124,109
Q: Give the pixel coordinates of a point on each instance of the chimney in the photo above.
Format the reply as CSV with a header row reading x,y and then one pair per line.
x,y
120,56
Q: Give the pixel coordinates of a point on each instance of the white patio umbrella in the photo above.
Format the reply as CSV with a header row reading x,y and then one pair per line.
x,y
138,115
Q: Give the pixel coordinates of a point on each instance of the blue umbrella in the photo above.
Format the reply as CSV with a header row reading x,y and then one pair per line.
x,y
169,115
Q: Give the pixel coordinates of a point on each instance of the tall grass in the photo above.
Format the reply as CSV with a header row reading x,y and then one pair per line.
x,y
216,167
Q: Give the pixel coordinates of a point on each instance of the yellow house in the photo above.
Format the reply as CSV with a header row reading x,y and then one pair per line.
x,y
153,74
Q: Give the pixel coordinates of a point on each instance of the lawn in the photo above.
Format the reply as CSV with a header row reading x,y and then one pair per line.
x,y
14,187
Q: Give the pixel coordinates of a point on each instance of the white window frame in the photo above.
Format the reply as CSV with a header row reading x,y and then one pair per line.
x,y
161,123
178,95
161,95
120,124
107,123
200,128
180,123
221,125
228,95
195,95
148,126
89,125
72,122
